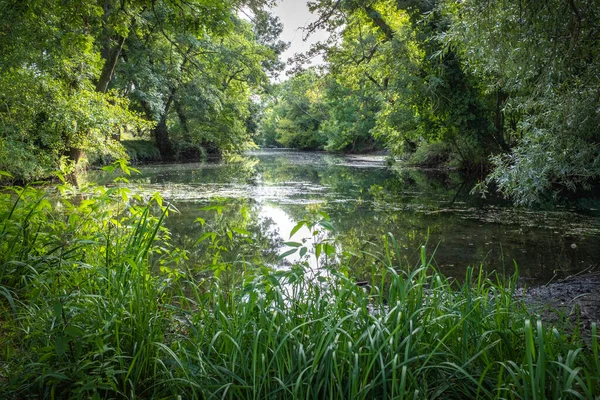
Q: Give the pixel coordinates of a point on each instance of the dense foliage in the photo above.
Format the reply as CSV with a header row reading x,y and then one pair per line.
x,y
505,86
96,302
542,59
77,76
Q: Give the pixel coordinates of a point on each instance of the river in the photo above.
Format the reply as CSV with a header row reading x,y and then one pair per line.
x,y
261,197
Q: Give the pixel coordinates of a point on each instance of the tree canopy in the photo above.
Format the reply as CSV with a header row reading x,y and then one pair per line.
x,y
77,75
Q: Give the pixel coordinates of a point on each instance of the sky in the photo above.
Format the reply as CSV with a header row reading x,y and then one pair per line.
x,y
294,15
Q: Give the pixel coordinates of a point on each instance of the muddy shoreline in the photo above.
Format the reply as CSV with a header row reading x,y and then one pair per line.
x,y
575,299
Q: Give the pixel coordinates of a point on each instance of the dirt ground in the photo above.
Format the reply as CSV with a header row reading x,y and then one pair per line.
x,y
576,298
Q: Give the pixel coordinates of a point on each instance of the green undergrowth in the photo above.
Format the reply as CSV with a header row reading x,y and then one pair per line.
x,y
141,151
95,303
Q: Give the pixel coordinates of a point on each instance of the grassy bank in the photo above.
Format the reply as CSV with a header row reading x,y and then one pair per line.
x,y
96,303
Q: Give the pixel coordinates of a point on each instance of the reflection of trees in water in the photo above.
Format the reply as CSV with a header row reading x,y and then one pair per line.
x,y
367,203
241,234
239,170
457,240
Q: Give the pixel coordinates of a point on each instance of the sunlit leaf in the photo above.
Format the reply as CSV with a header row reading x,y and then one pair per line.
x,y
296,228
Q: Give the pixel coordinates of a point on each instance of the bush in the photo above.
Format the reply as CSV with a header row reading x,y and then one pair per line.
x,y
140,151
25,162
433,154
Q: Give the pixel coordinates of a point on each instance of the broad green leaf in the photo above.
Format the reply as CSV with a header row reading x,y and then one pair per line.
x,y
296,228
205,236
318,249
57,307
241,231
327,225
287,253
60,345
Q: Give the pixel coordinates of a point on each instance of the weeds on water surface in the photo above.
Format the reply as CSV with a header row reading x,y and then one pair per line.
x,y
95,303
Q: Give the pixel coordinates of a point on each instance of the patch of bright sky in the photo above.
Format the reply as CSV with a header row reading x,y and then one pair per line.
x,y
294,15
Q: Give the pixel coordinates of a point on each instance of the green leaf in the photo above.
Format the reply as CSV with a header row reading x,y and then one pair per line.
x,y
328,249
205,236
202,221
217,208
241,231
324,215
303,251
60,345
57,307
287,253
297,228
293,244
73,331
327,225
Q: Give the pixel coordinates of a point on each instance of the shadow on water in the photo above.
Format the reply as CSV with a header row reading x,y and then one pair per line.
x,y
267,192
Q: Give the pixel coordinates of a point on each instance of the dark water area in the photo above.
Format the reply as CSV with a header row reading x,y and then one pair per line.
x,y
267,192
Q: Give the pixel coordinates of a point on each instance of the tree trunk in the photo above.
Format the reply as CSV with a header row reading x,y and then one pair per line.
x,y
75,155
111,56
112,44
161,134
378,20
183,120
499,120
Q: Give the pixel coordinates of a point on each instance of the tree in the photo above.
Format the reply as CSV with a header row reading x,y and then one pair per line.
x,y
295,115
77,74
197,87
50,109
389,52
542,61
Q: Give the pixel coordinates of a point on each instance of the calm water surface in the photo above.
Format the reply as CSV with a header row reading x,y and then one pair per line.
x,y
266,193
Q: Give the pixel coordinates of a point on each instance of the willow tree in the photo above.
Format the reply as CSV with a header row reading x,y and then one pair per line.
x,y
543,60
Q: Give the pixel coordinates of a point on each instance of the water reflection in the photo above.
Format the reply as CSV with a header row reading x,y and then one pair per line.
x,y
266,193
283,225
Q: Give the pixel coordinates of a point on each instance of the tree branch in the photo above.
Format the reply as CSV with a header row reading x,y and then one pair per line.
x,y
380,22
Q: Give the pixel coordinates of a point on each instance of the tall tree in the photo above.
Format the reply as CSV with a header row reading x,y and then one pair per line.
x,y
75,74
196,87
424,94
296,112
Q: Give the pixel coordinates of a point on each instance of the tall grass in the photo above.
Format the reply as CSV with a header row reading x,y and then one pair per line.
x,y
96,304
412,335
85,306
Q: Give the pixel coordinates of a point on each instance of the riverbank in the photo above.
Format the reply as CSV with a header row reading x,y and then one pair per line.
x,y
575,299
